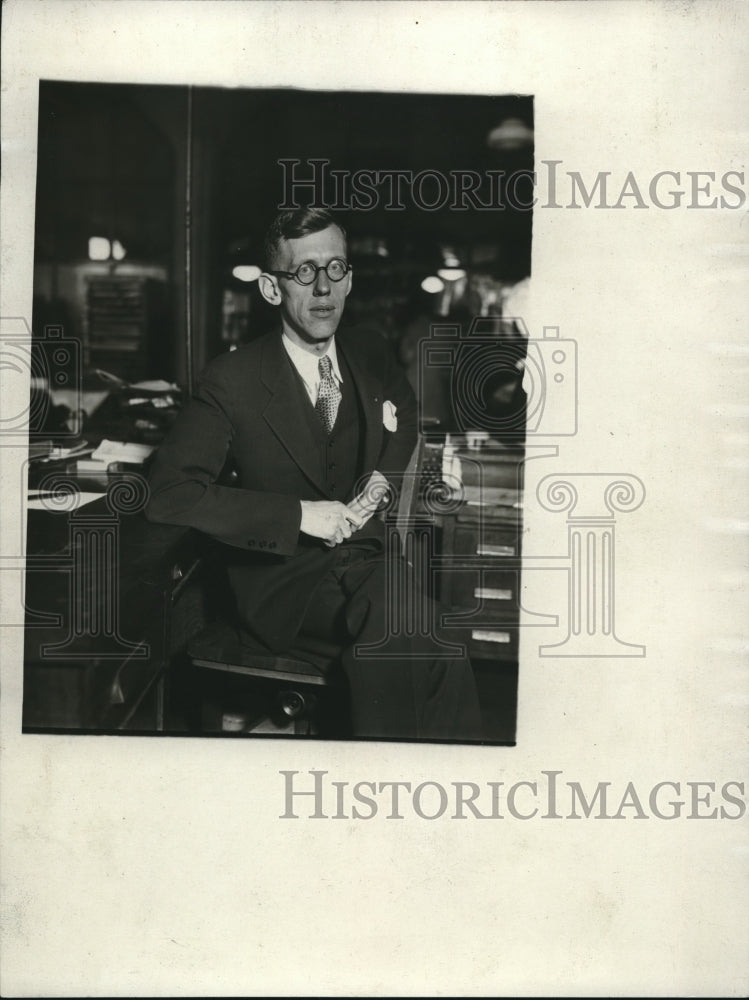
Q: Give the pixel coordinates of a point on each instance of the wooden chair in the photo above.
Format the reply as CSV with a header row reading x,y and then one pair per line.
x,y
287,695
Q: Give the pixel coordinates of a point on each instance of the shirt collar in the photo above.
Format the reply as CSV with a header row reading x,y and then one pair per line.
x,y
307,364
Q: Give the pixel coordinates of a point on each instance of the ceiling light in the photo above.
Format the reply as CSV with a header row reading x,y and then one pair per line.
x,y
99,248
451,273
246,272
512,133
432,284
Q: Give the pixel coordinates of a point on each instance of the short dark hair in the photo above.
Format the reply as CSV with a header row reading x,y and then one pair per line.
x,y
294,224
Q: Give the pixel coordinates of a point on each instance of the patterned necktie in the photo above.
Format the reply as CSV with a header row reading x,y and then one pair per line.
x,y
328,395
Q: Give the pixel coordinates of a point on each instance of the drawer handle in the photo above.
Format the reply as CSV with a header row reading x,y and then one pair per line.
x,y
506,551
492,594
486,635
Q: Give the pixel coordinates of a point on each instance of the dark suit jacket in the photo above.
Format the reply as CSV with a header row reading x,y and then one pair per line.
x,y
248,410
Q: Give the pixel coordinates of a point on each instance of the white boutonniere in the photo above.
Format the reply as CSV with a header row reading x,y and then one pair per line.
x,y
389,418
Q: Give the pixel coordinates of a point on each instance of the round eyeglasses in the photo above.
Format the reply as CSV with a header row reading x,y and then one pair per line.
x,y
306,273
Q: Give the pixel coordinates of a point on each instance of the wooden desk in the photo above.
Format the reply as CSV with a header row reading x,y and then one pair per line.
x,y
115,584
478,554
110,661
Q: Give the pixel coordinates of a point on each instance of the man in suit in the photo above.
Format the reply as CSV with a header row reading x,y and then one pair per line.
x,y
306,415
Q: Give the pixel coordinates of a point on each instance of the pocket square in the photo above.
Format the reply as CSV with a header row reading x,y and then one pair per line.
x,y
389,418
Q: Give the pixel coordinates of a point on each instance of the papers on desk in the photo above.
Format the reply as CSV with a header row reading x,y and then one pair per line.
x,y
45,500
46,451
147,385
91,469
119,451
82,448
40,449
155,385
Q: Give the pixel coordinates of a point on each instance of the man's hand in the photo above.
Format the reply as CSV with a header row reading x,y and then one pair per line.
x,y
330,520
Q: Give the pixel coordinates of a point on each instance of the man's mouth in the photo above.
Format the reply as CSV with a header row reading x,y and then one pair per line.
x,y
322,310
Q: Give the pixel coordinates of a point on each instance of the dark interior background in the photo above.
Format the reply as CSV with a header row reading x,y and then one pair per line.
x,y
113,162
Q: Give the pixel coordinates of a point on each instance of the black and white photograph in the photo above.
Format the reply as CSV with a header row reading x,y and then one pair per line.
x,y
373,492
281,462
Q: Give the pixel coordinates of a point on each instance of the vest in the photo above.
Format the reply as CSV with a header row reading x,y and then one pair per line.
x,y
340,451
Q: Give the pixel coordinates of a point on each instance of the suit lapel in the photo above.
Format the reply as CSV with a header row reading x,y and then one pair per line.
x,y
287,412
370,395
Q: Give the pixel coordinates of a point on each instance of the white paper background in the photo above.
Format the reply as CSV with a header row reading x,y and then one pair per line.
x,y
146,866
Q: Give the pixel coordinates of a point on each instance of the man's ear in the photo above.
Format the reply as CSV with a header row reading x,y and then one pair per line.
x,y
269,289
349,279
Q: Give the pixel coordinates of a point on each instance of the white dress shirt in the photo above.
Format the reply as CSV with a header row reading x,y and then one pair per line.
x,y
307,364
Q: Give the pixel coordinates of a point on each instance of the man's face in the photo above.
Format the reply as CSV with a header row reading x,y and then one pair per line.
x,y
311,313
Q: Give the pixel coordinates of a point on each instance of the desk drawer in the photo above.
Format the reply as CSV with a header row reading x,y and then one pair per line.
x,y
488,642
492,643
494,592
496,542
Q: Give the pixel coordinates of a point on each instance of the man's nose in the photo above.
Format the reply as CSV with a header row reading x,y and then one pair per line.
x,y
321,284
